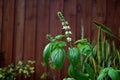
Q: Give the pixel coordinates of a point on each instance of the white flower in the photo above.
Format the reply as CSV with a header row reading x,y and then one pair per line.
x,y
69,39
68,32
65,23
66,27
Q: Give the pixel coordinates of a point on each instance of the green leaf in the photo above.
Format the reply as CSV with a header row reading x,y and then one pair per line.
x,y
113,74
60,44
46,53
101,76
49,37
74,56
103,73
59,36
71,70
99,46
68,79
60,15
89,70
104,28
85,47
58,56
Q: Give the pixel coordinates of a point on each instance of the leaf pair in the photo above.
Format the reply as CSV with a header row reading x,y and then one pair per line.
x,y
112,73
55,53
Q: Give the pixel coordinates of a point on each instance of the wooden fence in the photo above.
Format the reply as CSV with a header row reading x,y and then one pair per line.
x,y
25,23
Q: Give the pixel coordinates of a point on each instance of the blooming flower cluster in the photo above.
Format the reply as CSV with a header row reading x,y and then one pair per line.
x,y
66,27
67,30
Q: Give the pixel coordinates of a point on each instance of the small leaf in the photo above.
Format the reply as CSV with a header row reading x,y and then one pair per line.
x,y
58,56
59,36
43,76
49,37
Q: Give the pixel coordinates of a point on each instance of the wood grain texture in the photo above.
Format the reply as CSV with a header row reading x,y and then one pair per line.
x,y
1,14
99,15
42,29
19,30
7,30
25,23
30,30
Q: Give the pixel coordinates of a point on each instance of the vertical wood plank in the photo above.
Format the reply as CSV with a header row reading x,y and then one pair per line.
x,y
87,7
70,16
99,15
112,14
79,18
19,30
112,17
30,29
55,28
7,31
41,31
1,16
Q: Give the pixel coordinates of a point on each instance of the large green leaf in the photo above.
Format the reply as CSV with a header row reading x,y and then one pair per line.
x,y
57,57
74,56
46,53
104,28
113,74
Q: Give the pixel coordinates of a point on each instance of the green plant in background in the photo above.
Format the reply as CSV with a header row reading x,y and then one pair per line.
x,y
12,71
87,62
106,57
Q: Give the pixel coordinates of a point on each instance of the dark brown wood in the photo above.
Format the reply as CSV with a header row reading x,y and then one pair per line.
x,y
112,17
1,53
87,13
25,23
7,30
30,30
42,29
19,30
99,15
1,13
